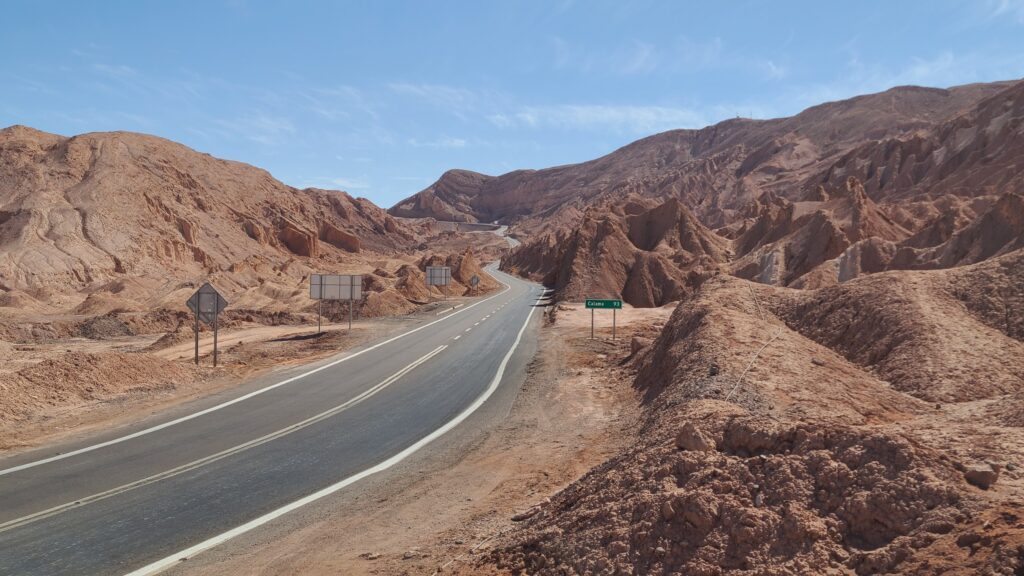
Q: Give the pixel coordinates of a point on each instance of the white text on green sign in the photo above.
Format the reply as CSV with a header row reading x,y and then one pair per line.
x,y
612,304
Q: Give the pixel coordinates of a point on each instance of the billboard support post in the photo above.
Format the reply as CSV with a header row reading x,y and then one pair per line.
x,y
335,287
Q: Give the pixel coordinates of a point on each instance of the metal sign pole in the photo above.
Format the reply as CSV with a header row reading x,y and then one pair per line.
x,y
216,318
319,307
350,315
591,323
197,334
613,323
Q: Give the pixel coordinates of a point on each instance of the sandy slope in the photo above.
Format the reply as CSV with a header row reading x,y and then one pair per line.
x,y
853,429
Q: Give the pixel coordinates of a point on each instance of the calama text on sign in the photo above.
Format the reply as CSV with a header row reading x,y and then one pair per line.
x,y
612,304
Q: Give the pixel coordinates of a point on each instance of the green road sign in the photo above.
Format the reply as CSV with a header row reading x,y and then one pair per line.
x,y
608,304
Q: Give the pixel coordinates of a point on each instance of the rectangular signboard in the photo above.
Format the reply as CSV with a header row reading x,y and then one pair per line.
x,y
609,304
336,286
439,275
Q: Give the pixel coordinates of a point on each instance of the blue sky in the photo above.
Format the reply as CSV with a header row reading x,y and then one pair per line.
x,y
380,98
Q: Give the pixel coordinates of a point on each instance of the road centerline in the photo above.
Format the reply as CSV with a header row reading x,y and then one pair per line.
x,y
242,398
174,559
195,464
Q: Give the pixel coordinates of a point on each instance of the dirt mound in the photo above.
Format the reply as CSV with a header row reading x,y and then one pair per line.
x,y
777,438
463,267
76,377
793,499
913,331
644,252
388,302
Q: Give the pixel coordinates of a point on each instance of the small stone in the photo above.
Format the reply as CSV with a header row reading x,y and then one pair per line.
x,y
691,438
817,362
981,475
758,500
659,550
667,511
1011,466
713,370
638,343
968,539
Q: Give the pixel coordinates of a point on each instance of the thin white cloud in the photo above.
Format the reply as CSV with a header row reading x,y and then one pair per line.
x,y
618,118
638,58
443,142
1013,9
436,94
342,182
350,183
260,127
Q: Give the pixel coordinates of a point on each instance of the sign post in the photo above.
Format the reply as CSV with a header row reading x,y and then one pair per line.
x,y
604,304
474,282
439,276
335,287
206,303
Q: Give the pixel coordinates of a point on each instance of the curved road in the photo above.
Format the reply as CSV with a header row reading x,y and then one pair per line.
x,y
139,500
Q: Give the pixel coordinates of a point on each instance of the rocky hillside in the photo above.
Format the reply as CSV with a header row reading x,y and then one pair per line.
x,y
716,170
95,215
873,427
941,187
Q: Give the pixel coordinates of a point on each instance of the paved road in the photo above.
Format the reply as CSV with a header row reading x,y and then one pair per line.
x,y
128,501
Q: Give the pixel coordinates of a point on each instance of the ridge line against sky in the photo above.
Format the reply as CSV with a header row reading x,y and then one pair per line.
x,y
380,99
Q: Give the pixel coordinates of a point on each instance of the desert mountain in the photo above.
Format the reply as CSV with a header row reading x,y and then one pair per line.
x,y
829,431
87,217
714,170
912,178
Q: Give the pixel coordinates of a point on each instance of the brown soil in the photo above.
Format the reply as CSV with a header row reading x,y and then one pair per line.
x,y
55,388
792,432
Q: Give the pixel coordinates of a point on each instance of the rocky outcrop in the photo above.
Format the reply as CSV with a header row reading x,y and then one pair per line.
x,y
644,252
297,240
339,238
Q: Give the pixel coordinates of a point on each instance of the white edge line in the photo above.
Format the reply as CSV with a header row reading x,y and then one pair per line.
x,y
174,559
236,400
196,464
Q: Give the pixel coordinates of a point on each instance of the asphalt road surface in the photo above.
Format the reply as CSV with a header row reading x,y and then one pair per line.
x,y
138,500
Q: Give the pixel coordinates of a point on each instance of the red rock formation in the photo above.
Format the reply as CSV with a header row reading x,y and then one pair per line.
x,y
646,253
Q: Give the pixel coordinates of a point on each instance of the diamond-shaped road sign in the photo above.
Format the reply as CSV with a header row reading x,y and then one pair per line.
x,y
207,303
474,280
